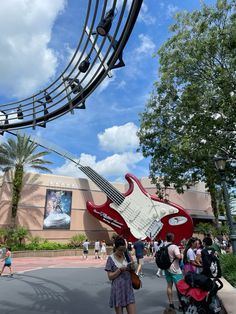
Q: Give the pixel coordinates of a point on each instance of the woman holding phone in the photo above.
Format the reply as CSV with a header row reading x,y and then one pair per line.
x,y
117,268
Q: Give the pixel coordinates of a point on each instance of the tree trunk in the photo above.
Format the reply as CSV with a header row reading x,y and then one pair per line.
x,y
13,222
214,206
16,193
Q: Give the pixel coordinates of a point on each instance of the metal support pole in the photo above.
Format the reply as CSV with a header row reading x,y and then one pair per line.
x,y
229,216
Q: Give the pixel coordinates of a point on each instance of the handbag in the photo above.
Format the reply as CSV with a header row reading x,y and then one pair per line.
x,y
188,267
136,282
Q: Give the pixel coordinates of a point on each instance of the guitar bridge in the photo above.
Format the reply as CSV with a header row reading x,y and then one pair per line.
x,y
154,229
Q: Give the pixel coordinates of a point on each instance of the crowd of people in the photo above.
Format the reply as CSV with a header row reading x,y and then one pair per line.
x,y
190,256
100,249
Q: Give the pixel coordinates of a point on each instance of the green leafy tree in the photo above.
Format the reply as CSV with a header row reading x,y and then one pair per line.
x,y
203,228
16,154
190,116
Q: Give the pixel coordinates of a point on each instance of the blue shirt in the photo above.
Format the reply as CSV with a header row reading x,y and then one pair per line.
x,y
139,247
8,259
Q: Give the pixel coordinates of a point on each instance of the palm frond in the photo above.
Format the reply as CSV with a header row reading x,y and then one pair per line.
x,y
38,167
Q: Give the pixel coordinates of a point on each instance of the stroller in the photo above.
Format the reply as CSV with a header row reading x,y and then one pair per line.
x,y
197,300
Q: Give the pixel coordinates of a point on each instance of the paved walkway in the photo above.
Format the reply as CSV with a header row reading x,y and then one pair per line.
x,y
22,264
66,285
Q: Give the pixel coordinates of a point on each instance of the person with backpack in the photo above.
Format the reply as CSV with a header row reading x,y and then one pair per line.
x,y
210,261
157,245
171,260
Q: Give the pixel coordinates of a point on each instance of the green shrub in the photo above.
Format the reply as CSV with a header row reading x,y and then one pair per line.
x,y
46,246
228,265
35,240
13,236
76,240
53,246
20,233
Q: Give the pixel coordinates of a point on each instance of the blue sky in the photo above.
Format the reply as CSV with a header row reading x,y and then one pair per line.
x,y
37,40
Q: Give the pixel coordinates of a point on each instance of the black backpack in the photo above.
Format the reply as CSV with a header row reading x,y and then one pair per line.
x,y
210,264
198,281
162,257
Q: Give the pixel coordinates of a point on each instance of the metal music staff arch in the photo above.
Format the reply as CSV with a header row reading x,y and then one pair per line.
x,y
105,33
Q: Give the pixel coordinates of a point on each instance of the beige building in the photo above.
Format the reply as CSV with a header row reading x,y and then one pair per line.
x,y
41,190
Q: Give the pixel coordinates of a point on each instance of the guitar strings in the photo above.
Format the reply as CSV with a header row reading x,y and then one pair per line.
x,y
114,194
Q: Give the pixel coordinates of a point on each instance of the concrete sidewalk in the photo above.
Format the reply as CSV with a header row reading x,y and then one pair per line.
x,y
22,264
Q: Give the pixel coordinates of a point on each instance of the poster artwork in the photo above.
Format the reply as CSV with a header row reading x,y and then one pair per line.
x,y
57,213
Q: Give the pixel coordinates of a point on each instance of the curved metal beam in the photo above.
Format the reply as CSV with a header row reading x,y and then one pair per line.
x,y
70,90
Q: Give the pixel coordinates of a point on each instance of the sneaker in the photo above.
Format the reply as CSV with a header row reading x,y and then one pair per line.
x,y
11,275
181,308
171,306
158,275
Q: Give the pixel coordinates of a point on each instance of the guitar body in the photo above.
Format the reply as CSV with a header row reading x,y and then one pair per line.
x,y
141,215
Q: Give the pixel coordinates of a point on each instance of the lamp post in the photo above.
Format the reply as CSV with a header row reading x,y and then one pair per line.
x,y
220,164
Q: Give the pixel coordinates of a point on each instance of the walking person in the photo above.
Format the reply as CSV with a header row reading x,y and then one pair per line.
x,y
7,261
97,249
156,247
103,249
85,248
174,273
139,253
122,294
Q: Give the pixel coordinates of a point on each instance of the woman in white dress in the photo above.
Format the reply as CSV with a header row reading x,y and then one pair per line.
x,y
103,249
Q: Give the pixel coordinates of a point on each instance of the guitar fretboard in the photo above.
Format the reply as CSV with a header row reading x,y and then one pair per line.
x,y
112,193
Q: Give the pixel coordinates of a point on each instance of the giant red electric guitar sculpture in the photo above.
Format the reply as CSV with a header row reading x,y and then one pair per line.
x,y
137,214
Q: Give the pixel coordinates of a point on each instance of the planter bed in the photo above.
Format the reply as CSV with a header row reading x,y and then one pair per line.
x,y
53,253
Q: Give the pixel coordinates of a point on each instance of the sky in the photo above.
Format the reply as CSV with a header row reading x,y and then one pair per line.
x,y
36,43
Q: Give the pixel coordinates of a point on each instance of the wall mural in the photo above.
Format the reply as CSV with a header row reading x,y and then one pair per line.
x,y
57,213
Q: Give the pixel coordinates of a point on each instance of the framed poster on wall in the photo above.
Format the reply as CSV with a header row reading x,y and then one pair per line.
x,y
57,213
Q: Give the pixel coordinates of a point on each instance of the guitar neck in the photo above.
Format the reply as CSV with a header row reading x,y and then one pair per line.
x,y
112,193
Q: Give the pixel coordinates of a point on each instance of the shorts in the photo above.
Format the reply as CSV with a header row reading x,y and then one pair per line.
x,y
96,251
85,251
7,265
140,260
170,277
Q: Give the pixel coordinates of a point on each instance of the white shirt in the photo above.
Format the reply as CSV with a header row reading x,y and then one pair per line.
x,y
97,245
173,251
191,256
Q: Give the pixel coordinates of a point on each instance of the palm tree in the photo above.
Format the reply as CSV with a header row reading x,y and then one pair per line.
x,y
16,154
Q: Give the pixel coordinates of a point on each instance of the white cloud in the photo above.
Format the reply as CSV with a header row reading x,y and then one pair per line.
x,y
147,46
119,138
117,165
145,15
26,61
171,10
121,84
